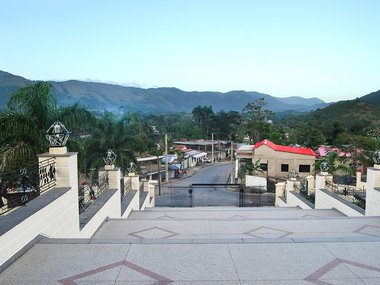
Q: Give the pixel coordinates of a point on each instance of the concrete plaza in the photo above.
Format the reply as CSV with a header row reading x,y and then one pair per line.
x,y
211,246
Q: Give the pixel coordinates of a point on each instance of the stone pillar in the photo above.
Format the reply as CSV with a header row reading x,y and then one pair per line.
x,y
66,173
320,180
310,184
152,192
291,185
66,166
373,191
320,183
114,176
280,189
358,178
135,181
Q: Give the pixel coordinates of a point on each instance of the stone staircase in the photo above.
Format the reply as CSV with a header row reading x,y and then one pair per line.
x,y
215,246
236,225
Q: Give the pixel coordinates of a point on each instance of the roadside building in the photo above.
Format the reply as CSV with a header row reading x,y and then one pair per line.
x,y
221,148
278,160
150,167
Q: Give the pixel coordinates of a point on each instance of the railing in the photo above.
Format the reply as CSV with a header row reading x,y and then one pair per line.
x,y
302,189
348,192
19,187
90,192
127,187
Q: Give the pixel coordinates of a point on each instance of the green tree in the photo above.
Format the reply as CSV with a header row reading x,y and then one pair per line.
x,y
108,133
30,112
255,121
308,135
336,164
203,118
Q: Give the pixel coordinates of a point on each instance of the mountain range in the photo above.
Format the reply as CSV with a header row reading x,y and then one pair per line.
x,y
119,99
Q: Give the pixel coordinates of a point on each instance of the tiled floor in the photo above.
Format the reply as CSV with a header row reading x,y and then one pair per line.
x,y
211,246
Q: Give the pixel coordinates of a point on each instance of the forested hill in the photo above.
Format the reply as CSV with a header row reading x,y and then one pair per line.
x,y
119,99
373,98
352,114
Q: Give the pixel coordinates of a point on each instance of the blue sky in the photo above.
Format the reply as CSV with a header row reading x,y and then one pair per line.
x,y
328,49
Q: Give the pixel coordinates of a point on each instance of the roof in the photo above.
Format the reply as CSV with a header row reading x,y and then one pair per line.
x,y
202,143
324,150
175,166
245,147
282,148
149,158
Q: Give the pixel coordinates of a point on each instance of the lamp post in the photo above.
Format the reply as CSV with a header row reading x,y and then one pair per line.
x,y
159,174
212,148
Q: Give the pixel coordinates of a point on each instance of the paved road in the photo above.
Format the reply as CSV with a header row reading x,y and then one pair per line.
x,y
175,194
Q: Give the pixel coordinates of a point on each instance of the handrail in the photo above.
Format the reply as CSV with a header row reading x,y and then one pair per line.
x,y
20,186
92,192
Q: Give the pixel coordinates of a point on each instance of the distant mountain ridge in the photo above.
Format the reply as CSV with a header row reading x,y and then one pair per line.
x,y
116,98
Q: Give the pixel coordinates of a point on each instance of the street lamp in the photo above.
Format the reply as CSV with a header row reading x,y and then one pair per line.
x,y
325,166
57,134
110,157
293,175
376,157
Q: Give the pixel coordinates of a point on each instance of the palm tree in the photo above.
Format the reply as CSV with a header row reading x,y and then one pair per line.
x,y
108,133
336,165
30,112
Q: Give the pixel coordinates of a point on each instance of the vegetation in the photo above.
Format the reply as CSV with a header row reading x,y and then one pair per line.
x,y
349,125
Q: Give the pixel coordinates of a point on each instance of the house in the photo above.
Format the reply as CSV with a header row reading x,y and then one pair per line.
x,y
149,167
221,148
278,160
244,151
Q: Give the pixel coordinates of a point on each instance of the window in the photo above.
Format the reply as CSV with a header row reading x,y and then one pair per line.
x,y
304,168
284,167
264,166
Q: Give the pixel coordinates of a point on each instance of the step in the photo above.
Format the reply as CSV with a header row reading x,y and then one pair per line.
x,y
238,228
233,214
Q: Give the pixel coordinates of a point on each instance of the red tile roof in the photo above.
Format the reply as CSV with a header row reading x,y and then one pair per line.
x,y
291,149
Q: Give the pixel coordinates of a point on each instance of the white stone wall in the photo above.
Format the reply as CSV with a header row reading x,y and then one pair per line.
x,y
59,219
110,209
325,201
133,206
293,201
372,194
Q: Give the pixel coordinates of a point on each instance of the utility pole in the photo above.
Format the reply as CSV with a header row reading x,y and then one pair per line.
x,y
212,147
232,151
167,162
159,174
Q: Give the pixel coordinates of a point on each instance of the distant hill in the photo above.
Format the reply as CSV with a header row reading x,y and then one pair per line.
x,y
373,98
10,83
361,112
119,99
296,100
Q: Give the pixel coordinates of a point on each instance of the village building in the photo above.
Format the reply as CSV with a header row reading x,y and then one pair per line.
x,y
278,160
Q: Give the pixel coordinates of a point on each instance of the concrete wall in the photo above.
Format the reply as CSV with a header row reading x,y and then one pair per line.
x,y
296,200
325,199
111,209
373,191
280,190
55,213
134,205
58,219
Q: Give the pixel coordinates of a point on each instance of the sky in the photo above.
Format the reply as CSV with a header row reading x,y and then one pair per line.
x,y
328,49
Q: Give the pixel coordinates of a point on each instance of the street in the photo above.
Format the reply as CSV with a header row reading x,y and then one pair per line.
x,y
176,192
